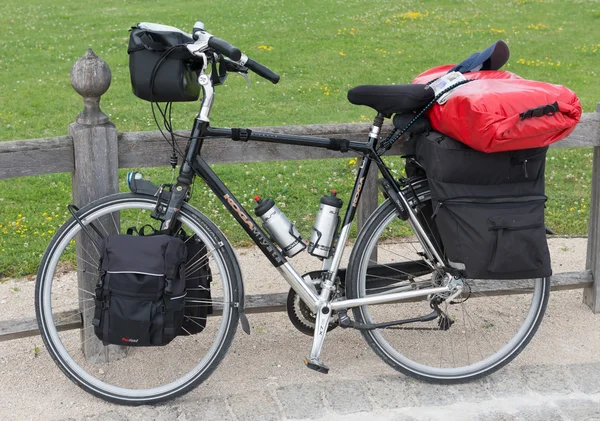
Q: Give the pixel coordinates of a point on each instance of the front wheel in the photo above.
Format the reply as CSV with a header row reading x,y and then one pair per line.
x,y
481,331
64,304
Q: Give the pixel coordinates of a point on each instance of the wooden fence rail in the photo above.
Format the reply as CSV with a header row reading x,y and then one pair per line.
x,y
94,139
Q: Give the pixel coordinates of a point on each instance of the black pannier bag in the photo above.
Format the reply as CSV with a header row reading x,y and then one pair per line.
x,y
161,67
487,207
140,295
198,277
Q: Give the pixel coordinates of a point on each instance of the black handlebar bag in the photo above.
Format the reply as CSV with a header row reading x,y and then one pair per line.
x,y
140,295
161,67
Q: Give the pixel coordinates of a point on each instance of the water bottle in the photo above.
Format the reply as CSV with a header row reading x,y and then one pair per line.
x,y
326,224
280,228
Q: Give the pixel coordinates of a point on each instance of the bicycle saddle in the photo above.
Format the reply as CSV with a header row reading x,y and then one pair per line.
x,y
390,99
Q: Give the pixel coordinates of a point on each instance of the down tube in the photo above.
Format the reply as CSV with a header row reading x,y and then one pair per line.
x,y
239,213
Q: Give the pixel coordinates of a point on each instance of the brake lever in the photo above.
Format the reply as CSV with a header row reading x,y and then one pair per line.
x,y
245,75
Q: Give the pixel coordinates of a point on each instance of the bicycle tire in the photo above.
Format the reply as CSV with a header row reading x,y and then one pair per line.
x,y
140,375
419,349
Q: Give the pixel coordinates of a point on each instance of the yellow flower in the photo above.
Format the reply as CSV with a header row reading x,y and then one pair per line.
x,y
342,53
353,161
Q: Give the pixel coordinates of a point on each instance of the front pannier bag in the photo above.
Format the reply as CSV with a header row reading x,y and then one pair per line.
x,y
198,277
161,67
488,207
140,294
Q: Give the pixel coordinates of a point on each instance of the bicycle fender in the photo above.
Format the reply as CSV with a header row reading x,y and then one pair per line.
x,y
391,192
240,285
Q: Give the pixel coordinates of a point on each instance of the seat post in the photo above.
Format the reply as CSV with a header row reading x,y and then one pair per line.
x,y
376,128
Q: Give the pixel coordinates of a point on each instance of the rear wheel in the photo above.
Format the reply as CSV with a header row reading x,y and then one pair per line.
x,y
485,328
65,295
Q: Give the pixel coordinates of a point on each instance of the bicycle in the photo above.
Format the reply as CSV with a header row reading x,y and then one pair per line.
x,y
415,311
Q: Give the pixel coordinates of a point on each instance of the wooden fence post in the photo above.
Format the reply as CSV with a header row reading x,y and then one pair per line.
x,y
95,176
591,295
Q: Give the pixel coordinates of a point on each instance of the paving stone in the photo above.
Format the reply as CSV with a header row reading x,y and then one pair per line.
x,y
548,379
428,394
347,397
507,382
586,377
258,406
580,409
206,408
301,401
403,418
387,392
477,391
497,416
540,413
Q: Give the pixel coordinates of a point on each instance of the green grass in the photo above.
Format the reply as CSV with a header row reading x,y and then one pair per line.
x,y
321,49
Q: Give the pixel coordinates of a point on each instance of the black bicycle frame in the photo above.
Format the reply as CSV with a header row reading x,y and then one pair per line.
x,y
195,164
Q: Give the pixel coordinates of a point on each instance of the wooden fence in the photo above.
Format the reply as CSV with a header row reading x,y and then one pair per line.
x,y
94,151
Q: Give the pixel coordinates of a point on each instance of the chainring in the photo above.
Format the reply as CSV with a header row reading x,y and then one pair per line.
x,y
301,315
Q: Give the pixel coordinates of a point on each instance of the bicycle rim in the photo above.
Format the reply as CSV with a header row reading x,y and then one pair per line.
x,y
130,375
489,325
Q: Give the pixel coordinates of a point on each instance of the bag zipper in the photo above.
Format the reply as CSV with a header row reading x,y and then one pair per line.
x,y
488,201
137,273
114,291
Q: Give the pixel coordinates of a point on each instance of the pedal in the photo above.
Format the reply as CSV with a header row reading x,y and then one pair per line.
x,y
316,365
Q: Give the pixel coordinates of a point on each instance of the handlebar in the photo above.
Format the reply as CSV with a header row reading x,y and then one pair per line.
x,y
262,71
221,46
225,48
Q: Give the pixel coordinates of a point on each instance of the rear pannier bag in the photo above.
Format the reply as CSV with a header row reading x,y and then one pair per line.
x,y
488,208
499,111
161,67
140,294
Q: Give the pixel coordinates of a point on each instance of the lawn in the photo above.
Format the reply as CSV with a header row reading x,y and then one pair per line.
x,y
321,49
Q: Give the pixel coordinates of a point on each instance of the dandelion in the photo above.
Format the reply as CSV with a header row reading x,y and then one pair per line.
x,y
353,161
342,54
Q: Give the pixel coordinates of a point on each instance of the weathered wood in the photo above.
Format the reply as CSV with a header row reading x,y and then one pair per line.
x,y
267,303
591,295
149,149
586,133
22,158
96,175
22,328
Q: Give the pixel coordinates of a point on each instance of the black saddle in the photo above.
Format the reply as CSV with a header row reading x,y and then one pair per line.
x,y
391,99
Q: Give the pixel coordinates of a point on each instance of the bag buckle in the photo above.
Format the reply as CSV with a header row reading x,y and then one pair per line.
x,y
104,305
549,110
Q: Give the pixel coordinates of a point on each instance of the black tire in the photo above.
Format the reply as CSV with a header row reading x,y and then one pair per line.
x,y
497,327
141,375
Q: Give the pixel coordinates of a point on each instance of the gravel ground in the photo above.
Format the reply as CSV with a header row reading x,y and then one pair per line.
x,y
267,365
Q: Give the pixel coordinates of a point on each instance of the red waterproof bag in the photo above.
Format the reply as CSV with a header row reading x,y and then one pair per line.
x,y
499,111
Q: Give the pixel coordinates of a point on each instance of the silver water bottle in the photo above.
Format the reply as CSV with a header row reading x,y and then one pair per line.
x,y
326,224
280,228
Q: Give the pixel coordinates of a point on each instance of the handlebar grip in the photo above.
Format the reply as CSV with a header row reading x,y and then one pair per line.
x,y
262,71
225,48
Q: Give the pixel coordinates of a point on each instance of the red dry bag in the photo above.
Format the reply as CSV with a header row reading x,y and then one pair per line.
x,y
499,111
